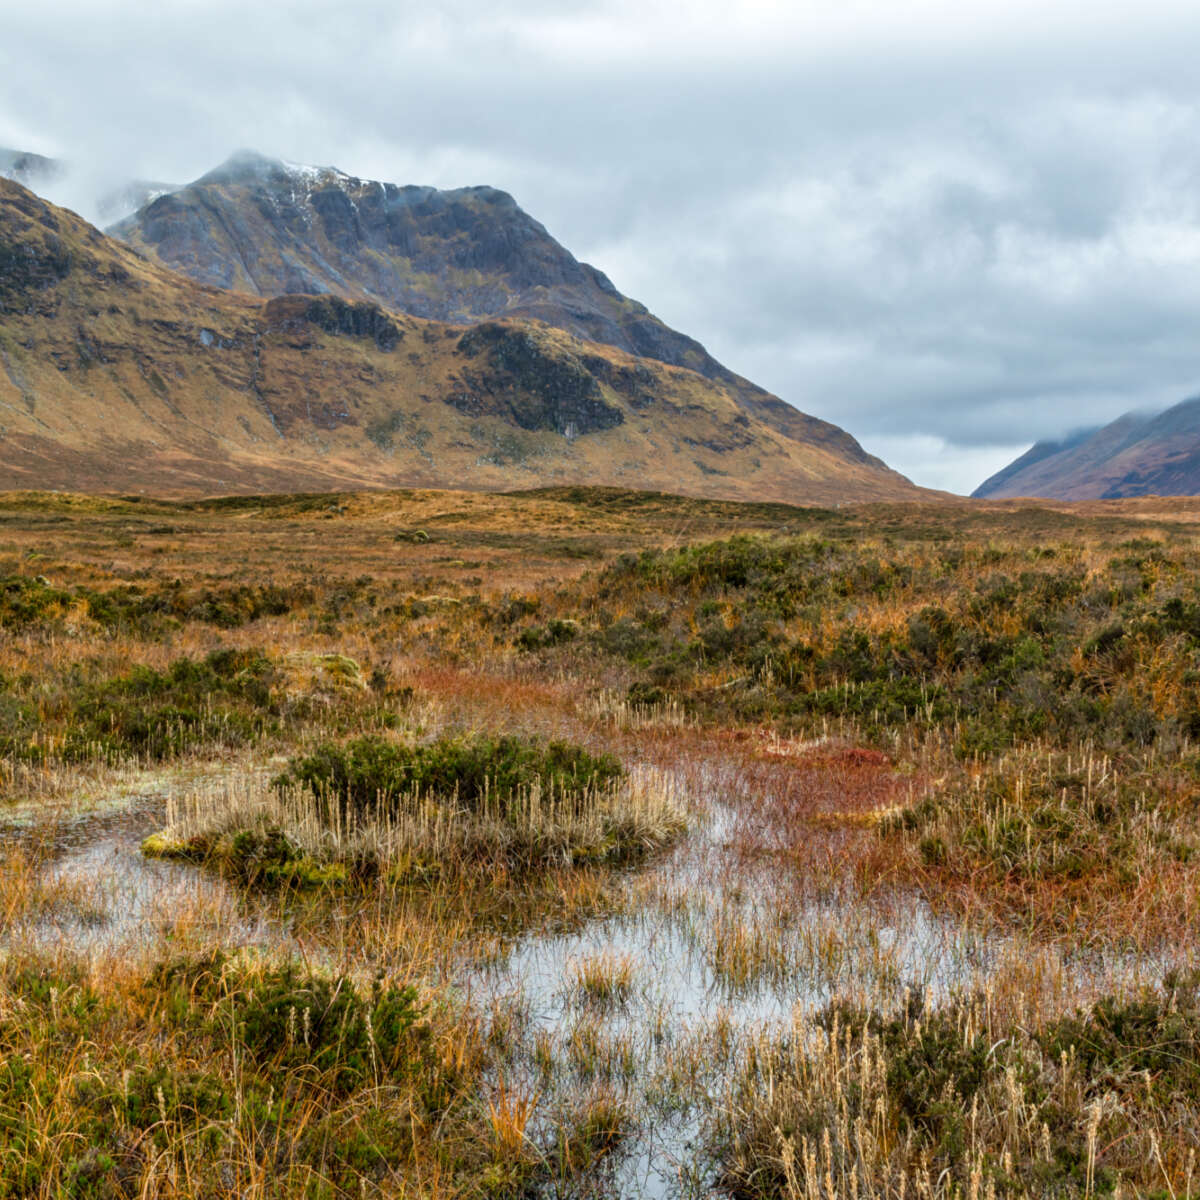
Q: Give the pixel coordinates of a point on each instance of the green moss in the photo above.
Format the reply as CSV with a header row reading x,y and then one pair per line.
x,y
265,858
159,845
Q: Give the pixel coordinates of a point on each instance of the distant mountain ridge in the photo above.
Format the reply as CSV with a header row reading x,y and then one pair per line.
x,y
267,227
1138,454
118,374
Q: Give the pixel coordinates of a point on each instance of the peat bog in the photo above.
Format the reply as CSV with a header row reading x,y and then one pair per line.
x,y
583,843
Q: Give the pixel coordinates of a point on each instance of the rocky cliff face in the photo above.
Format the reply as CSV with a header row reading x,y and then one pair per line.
x,y
117,374
265,227
1135,455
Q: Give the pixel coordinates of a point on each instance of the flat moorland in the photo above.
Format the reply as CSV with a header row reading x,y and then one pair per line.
x,y
584,842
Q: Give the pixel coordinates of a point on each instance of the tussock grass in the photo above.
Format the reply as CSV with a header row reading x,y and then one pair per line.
x,y
291,835
1078,843
207,1075
640,710
604,979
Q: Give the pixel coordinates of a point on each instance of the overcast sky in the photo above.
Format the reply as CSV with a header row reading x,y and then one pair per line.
x,y
950,226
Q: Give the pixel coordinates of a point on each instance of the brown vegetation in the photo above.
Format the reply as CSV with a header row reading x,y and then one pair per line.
x,y
918,936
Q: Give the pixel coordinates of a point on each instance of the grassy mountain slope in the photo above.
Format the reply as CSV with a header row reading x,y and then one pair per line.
x,y
118,375
1135,455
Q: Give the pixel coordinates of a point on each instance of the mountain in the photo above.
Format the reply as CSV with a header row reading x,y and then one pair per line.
x,y
1135,455
118,374
268,228
114,203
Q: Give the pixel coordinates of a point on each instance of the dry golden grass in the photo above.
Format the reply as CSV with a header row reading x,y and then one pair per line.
x,y
426,836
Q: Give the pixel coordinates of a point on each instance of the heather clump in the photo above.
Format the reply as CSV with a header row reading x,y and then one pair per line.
x,y
376,774
426,811
963,1099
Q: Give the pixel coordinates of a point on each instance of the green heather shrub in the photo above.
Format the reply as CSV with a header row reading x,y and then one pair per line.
x,y
225,698
286,1017
228,698
1006,643
315,1078
149,1095
26,602
938,1090
553,633
1152,1040
370,771
30,602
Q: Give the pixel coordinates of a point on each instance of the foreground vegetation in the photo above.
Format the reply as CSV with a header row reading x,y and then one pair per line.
x,y
883,1104
441,809
497,843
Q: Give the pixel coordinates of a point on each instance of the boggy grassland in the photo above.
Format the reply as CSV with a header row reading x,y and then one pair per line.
x,y
595,843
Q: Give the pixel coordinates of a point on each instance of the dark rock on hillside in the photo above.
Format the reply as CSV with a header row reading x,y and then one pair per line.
x,y
530,384
335,315
34,256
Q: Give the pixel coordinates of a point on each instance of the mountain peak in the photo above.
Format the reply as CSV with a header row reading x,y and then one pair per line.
x,y
244,165
269,227
117,369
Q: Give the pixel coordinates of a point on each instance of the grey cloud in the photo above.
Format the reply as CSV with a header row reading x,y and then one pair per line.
x,y
951,239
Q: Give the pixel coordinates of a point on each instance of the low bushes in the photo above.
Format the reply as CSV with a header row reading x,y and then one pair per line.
x,y
30,603
227,699
419,812
1003,642
220,1072
371,773
960,1101
1057,838
286,1018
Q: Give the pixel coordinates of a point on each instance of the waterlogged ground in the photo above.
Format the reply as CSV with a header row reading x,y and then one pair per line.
x,y
646,1004
939,773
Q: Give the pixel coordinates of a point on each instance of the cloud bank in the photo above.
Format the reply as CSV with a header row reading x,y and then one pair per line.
x,y
952,229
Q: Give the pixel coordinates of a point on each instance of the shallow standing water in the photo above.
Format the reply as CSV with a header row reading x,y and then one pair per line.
x,y
106,896
706,952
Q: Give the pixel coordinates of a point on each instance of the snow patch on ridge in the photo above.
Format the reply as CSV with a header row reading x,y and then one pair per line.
x,y
310,176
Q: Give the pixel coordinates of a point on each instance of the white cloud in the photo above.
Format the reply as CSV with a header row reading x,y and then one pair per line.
x,y
940,464
952,228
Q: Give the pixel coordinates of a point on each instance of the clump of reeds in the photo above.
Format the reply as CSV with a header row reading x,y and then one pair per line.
x,y
626,711
307,831
603,979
